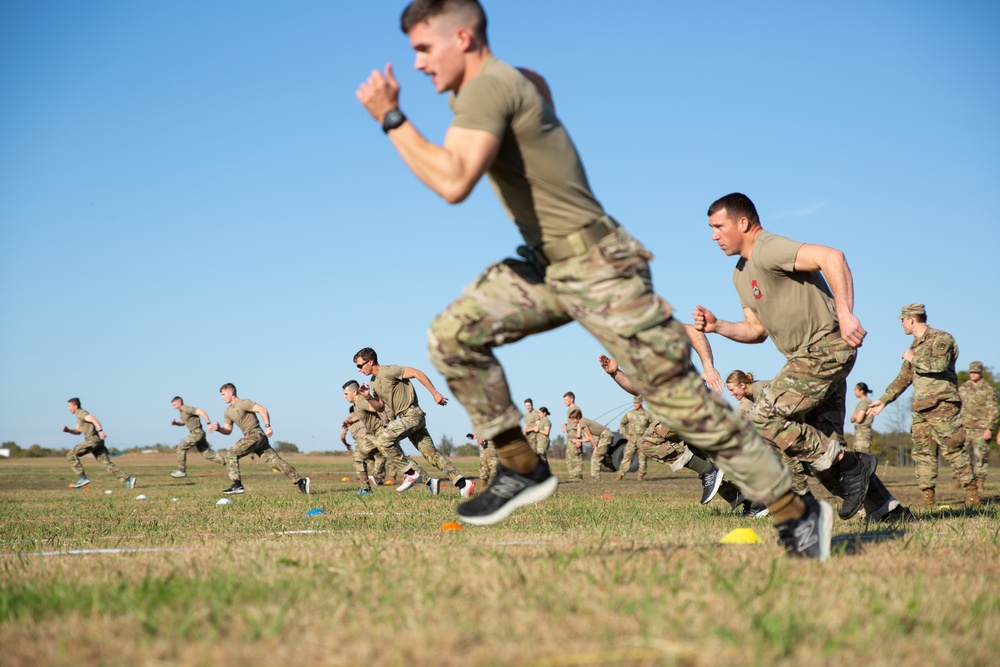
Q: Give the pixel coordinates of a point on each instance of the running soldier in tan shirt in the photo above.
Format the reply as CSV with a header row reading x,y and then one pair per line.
x,y
191,417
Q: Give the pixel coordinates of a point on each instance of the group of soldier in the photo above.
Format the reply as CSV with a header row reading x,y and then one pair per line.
x,y
580,264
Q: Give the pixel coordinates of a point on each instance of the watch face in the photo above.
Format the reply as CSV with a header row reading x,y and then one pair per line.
x,y
393,119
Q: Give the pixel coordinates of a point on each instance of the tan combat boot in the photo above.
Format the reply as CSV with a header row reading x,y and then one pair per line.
x,y
928,497
958,483
972,495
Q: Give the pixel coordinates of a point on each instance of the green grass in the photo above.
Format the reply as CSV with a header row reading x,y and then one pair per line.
x,y
636,579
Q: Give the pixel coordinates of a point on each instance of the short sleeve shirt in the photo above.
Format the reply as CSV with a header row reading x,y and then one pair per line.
x,y
537,173
370,418
242,415
795,307
190,418
543,424
88,430
595,428
530,418
863,406
397,394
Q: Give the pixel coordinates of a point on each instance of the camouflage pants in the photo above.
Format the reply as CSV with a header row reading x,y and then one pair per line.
x,y
597,456
382,470
800,480
366,449
540,444
608,290
631,448
100,453
488,462
255,442
978,449
412,424
574,461
940,430
862,439
197,440
802,410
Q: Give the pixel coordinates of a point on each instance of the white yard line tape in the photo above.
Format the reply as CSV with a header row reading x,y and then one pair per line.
x,y
85,552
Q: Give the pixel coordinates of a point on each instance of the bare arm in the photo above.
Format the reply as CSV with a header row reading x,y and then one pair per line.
x,y
833,264
610,367
204,415
97,424
418,375
699,341
451,170
750,330
262,411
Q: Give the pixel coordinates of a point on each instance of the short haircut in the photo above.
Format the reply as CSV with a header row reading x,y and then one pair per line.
x,y
570,394
920,317
349,383
420,11
737,205
575,413
228,385
528,400
366,354
177,398
75,401
864,388
739,377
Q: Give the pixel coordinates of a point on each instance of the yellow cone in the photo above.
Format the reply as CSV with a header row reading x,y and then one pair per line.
x,y
741,536
345,479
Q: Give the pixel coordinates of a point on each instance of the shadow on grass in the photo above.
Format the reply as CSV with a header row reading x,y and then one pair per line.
x,y
849,545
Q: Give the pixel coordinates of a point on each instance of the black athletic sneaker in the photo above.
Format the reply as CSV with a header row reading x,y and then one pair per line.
x,y
303,485
809,536
898,514
710,482
508,492
237,487
855,484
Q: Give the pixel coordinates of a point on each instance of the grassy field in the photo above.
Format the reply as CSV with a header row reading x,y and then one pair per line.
x,y
637,578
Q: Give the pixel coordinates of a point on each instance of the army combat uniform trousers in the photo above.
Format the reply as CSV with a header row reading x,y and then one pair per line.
x,y
366,449
411,423
597,457
255,442
608,290
197,440
100,452
539,444
940,429
631,448
802,410
488,463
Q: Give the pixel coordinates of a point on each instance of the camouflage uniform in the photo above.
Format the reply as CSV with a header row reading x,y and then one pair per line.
x,y
574,454
488,462
92,444
366,450
410,422
543,441
633,425
196,440
254,441
980,411
937,422
534,438
800,484
607,289
390,453
863,428
603,436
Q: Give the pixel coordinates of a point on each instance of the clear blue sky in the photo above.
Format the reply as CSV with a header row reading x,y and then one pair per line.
x,y
190,194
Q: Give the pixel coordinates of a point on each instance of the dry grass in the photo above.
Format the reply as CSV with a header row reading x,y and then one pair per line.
x,y
637,579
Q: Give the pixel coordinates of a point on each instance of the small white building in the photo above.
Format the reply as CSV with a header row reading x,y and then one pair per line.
x,y
4,453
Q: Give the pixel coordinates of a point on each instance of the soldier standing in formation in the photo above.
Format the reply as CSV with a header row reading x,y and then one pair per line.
x,y
979,416
929,365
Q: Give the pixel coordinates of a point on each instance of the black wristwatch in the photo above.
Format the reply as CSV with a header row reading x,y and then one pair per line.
x,y
392,119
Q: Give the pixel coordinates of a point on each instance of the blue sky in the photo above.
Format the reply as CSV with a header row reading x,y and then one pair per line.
x,y
190,194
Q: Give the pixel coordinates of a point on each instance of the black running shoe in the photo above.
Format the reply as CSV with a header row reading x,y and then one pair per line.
x,y
303,485
809,536
237,487
898,514
710,482
855,485
508,492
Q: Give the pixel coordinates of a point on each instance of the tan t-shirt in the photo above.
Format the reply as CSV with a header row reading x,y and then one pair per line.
x,y
190,418
371,419
530,418
795,307
595,429
537,174
88,430
243,416
397,394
